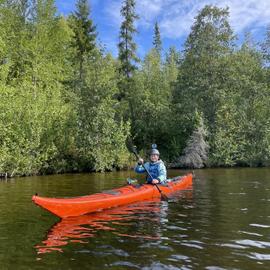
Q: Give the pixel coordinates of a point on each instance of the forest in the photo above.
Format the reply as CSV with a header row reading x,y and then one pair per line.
x,y
69,105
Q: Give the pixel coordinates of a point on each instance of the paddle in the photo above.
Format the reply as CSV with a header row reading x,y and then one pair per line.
x,y
163,196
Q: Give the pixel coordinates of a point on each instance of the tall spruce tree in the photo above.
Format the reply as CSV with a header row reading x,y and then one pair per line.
x,y
127,46
127,57
84,40
157,39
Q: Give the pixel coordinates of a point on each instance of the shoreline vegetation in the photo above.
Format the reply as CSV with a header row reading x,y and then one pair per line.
x,y
69,105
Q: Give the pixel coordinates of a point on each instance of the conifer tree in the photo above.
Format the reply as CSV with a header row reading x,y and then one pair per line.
x,y
127,58
84,40
196,151
127,46
157,39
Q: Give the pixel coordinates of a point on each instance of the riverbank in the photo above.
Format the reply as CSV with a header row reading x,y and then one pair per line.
x,y
169,166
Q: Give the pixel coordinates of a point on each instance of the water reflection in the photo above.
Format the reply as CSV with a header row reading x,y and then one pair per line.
x,y
80,229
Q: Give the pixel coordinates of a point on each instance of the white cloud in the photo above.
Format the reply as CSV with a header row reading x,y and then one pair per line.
x,y
244,14
112,9
176,17
248,14
149,11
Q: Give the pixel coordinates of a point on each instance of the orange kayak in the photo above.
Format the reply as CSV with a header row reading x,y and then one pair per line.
x,y
77,206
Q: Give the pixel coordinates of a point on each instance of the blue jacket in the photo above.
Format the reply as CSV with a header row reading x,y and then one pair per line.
x,y
157,170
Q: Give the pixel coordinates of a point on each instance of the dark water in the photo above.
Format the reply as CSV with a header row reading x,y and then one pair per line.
x,y
222,223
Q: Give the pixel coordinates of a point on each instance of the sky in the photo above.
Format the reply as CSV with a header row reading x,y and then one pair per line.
x,y
175,18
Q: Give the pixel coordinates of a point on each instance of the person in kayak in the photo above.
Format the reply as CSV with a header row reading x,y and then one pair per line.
x,y
155,167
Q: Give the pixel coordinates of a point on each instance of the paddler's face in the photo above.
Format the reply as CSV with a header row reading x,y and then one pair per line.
x,y
154,158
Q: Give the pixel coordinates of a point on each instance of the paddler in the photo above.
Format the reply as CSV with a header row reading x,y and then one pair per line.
x,y
156,167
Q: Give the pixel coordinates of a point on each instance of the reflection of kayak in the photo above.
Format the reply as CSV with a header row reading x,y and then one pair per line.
x,y
77,206
80,229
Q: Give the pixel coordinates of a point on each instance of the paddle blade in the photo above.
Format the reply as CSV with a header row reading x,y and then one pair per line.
x,y
134,150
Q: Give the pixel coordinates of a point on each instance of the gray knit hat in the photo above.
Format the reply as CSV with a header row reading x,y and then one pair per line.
x,y
154,150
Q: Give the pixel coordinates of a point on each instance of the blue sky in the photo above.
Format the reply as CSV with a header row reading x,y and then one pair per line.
x,y
175,18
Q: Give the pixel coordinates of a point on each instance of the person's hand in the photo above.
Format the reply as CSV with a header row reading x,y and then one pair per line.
x,y
155,181
140,161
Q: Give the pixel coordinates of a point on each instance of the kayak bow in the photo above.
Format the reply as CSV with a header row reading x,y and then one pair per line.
x,y
76,206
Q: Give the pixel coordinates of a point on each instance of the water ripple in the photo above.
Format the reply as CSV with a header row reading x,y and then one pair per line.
x,y
125,264
177,257
106,251
232,246
260,225
161,266
251,243
250,233
192,243
214,268
259,256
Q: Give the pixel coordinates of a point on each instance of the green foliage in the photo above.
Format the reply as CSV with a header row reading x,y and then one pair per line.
x,y
40,112
66,107
229,87
201,73
171,66
211,34
84,39
101,138
30,124
227,139
241,135
151,102
34,114
254,95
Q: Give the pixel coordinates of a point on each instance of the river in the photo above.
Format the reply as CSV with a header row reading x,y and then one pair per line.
x,y
223,222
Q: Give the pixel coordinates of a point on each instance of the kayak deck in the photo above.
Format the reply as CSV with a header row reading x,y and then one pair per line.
x,y
76,206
